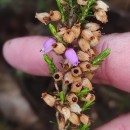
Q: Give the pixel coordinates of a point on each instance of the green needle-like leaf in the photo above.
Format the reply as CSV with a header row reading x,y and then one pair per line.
x,y
87,105
87,9
62,96
50,63
54,33
61,10
83,127
101,57
83,92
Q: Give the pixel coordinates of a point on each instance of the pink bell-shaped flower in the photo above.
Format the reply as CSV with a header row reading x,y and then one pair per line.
x,y
71,56
47,46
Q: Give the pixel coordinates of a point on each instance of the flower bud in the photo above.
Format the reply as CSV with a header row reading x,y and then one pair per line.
x,y
69,36
84,45
101,5
71,56
43,17
94,41
76,30
76,71
83,56
49,100
62,31
88,98
93,52
101,15
47,46
82,2
74,119
59,48
87,34
85,66
92,26
58,76
55,15
87,84
84,119
66,65
76,87
71,98
60,121
68,78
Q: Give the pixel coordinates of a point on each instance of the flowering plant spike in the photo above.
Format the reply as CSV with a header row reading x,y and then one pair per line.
x,y
75,36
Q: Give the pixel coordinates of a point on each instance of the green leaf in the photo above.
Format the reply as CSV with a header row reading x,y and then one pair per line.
x,y
83,92
87,9
84,127
101,57
54,33
87,105
61,10
62,96
50,63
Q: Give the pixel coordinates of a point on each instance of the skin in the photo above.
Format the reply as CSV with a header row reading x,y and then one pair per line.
x,y
24,54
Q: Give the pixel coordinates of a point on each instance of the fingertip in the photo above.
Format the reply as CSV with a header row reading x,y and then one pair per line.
x,y
24,54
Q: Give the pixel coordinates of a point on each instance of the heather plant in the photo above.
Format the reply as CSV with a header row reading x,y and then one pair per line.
x,y
74,37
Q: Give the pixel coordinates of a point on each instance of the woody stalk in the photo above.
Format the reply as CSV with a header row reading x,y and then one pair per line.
x,y
75,36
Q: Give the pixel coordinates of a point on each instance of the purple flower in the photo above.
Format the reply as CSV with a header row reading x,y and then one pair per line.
x,y
47,46
71,56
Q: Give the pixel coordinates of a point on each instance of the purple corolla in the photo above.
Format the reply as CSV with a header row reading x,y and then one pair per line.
x,y
47,46
71,56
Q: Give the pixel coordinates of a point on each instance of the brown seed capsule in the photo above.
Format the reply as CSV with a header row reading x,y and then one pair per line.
x,y
69,36
58,76
94,67
68,78
76,71
49,100
60,121
97,34
67,65
87,84
85,66
83,44
92,26
76,87
89,75
101,5
82,2
71,98
75,108
76,30
66,112
94,41
83,56
55,15
101,15
84,119
43,17
77,79
62,2
87,34
59,48
62,31
88,98
74,119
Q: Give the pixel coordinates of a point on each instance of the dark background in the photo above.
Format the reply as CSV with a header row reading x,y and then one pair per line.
x,y
20,105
